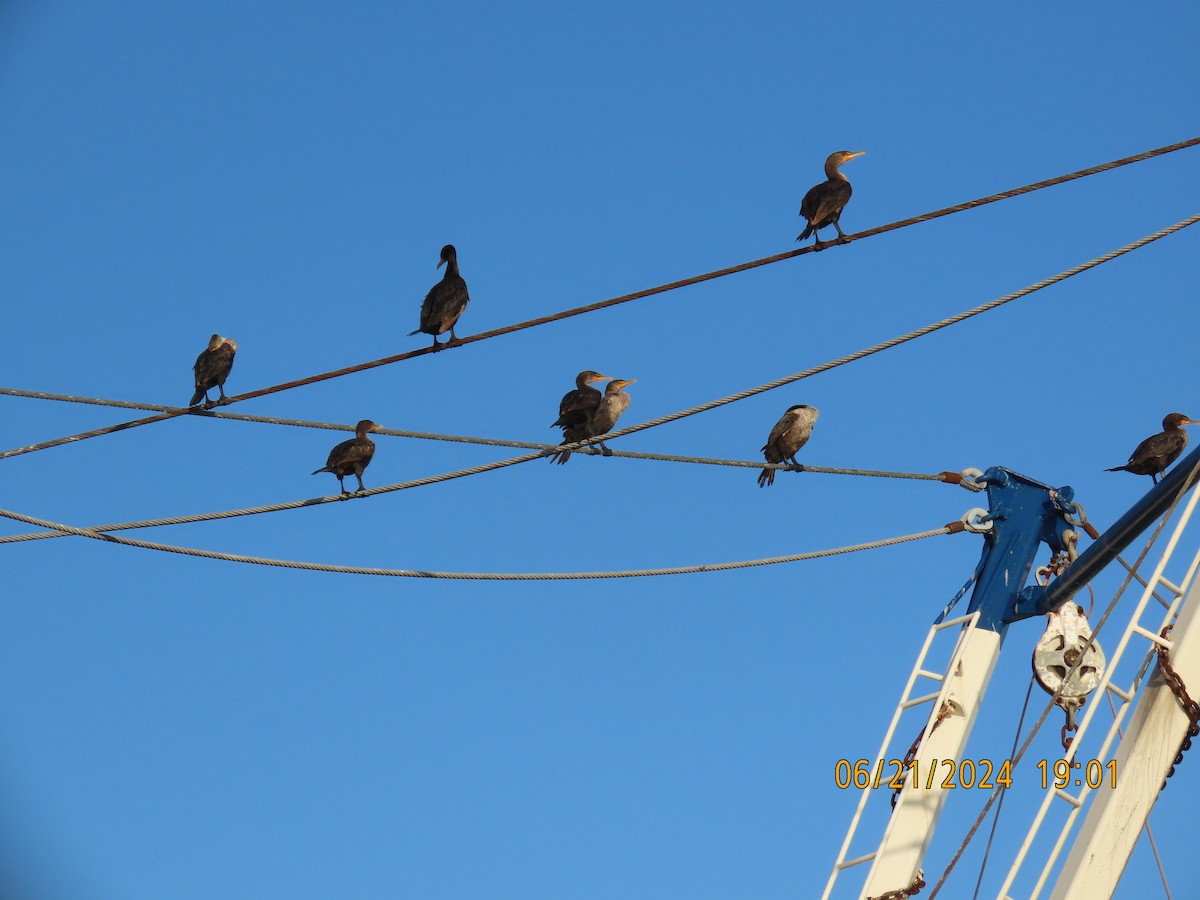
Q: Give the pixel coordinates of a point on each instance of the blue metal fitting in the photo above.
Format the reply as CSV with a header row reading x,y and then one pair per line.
x,y
1025,514
995,475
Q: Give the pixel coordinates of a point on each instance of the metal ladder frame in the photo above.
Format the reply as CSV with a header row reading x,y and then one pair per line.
x,y
1106,687
907,701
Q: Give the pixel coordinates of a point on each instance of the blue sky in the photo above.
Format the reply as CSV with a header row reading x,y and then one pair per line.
x,y
287,173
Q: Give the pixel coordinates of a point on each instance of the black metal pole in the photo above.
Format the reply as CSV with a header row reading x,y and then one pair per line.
x,y
1036,600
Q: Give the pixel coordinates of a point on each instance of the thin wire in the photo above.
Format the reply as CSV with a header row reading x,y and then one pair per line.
x,y
952,528
489,442
987,851
625,298
1050,704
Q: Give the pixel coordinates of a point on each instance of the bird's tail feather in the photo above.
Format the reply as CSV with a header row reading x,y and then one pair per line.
x,y
766,477
808,230
411,333
196,397
1118,468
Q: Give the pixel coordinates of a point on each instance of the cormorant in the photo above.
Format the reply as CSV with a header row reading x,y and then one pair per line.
x,y
823,204
353,456
574,409
790,433
603,418
1158,451
212,368
600,420
445,301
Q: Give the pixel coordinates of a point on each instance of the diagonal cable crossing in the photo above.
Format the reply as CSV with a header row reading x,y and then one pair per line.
x,y
625,298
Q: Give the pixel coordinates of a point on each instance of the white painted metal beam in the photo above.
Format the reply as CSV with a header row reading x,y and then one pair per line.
x,y
1117,816
911,826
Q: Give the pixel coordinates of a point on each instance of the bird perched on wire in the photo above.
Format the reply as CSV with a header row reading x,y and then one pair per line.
x,y
790,433
445,301
353,456
602,419
1158,451
574,409
823,204
212,368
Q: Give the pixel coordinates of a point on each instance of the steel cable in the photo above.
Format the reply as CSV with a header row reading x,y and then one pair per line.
x,y
625,298
910,336
437,479
952,528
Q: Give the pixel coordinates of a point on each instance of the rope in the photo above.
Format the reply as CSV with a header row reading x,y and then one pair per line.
x,y
662,419
447,476
910,336
493,442
951,528
625,298
277,507
742,395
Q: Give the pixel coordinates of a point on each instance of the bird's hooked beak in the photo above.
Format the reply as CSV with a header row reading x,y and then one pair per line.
x,y
625,382
856,154
1188,421
600,378
441,262
376,427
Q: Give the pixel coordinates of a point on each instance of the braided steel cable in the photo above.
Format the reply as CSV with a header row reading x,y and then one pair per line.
x,y
947,477
487,442
625,298
910,336
951,528
750,392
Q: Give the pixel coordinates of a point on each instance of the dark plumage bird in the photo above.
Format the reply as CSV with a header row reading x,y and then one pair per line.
x,y
574,409
445,301
1158,451
601,419
789,434
823,204
353,456
212,368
